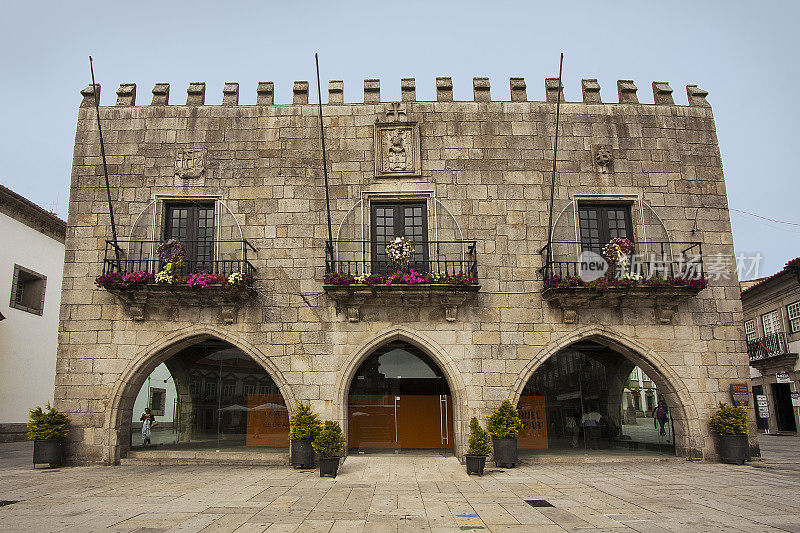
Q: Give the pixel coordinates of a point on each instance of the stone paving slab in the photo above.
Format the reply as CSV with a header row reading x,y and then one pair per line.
x,y
387,493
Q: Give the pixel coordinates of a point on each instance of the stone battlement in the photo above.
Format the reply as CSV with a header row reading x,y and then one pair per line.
x,y
590,88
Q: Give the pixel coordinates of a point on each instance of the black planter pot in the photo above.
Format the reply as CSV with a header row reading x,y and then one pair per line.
x,y
48,451
733,449
302,453
475,464
328,466
505,452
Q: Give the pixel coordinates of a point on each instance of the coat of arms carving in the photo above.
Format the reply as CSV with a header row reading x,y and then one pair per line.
x,y
397,152
190,163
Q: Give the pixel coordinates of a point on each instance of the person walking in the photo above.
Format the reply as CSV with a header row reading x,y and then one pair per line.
x,y
148,421
661,417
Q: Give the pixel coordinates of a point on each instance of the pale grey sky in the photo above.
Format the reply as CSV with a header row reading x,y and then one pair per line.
x,y
743,53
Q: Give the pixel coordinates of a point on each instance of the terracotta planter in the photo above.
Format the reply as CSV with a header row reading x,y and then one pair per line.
x,y
475,464
302,455
733,449
328,466
48,451
505,452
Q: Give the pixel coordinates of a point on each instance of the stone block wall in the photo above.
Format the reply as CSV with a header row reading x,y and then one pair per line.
x,y
488,162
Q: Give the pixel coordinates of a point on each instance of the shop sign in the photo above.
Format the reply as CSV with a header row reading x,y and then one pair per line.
x,y
796,399
763,408
740,394
782,377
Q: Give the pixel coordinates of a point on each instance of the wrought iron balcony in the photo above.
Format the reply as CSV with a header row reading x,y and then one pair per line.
x,y
355,258
771,345
664,259
218,257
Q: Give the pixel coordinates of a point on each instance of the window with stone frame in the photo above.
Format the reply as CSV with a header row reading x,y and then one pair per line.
x,y
399,219
750,329
192,223
771,322
599,223
27,290
793,312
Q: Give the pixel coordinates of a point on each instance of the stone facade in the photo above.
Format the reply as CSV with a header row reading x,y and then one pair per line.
x,y
485,165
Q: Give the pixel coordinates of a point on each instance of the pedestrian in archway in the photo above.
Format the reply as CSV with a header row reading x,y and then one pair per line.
x,y
148,421
661,416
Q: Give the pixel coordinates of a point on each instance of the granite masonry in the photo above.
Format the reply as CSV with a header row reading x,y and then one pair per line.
x,y
482,171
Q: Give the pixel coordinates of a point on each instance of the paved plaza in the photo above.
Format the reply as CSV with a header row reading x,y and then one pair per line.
x,y
388,493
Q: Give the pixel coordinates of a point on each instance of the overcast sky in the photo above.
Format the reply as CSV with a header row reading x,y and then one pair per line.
x,y
743,53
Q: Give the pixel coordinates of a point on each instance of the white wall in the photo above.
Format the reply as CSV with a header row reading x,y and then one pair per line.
x,y
28,342
160,378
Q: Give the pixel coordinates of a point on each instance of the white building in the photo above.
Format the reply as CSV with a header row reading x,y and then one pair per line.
x,y
31,265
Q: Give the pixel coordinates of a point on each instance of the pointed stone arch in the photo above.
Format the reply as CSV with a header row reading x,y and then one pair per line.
x,y
433,350
125,390
689,436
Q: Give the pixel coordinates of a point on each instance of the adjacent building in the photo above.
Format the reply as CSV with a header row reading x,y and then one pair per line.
x,y
31,263
771,308
436,288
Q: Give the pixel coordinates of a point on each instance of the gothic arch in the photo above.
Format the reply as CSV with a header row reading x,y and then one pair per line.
x,y
433,350
131,379
689,434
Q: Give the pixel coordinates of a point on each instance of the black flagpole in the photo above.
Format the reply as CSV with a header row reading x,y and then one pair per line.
x,y
553,180
329,247
105,169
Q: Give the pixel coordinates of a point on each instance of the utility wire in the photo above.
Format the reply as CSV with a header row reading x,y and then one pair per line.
x,y
765,218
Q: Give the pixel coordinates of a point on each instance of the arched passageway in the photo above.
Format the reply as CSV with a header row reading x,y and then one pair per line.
x,y
589,396
210,394
399,399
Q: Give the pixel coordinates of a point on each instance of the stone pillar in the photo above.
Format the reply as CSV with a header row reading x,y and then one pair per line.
x,y
662,93
230,93
300,92
336,92
88,95
408,89
697,96
160,94
444,89
196,93
481,90
627,92
591,91
552,90
265,93
519,91
372,91
126,94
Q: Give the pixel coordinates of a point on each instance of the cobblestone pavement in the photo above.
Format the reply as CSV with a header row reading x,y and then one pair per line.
x,y
387,493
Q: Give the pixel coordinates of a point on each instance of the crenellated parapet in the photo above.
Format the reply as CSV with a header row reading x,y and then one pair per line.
x,y
481,89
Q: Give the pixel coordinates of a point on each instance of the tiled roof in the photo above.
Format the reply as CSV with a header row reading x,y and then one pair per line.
x,y
788,267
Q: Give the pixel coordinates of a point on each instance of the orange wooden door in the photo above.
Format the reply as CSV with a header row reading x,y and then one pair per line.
x,y
533,435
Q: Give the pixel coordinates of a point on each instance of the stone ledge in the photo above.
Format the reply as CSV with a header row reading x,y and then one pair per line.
x,y
137,298
352,297
572,299
774,363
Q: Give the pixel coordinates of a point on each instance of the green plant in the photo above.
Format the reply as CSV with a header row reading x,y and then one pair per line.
x,y
478,439
505,422
729,420
47,424
304,424
330,441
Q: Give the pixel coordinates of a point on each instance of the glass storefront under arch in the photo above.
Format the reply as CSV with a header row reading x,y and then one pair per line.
x,y
211,395
399,399
591,397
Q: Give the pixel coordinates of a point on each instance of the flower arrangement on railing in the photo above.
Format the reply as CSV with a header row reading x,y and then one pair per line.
x,y
400,251
172,251
123,280
603,284
197,280
401,277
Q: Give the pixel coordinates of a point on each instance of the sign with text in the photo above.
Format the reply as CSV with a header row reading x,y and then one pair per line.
x,y
782,377
796,399
763,407
739,394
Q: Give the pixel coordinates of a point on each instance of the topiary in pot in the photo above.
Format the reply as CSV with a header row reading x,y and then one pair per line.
x,y
479,448
730,424
328,444
504,426
47,429
304,426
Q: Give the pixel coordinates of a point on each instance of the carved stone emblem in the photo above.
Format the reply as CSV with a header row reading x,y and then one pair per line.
x,y
396,144
190,163
603,157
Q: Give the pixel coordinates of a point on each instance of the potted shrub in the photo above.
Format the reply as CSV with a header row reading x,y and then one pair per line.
x,y
47,429
304,426
479,448
328,444
504,425
730,425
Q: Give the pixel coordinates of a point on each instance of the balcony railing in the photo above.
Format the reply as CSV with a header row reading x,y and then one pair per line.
x,y
218,257
649,259
767,346
367,257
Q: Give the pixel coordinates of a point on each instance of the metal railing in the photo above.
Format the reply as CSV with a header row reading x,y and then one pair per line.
x,y
648,259
219,257
768,346
368,257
